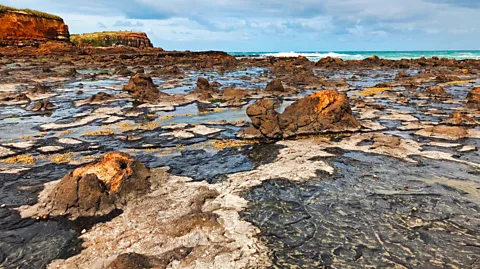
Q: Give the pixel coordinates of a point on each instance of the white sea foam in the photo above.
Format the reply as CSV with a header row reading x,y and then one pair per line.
x,y
315,55
359,55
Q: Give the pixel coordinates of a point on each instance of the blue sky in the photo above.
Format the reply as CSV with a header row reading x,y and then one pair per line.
x,y
272,25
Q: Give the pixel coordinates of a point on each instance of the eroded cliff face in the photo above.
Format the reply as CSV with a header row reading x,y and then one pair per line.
x,y
112,39
19,28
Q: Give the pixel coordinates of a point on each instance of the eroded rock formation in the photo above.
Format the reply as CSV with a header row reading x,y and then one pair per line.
x,y
265,118
275,86
203,86
99,188
142,88
324,111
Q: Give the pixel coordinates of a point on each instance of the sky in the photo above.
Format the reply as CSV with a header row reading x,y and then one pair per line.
x,y
274,25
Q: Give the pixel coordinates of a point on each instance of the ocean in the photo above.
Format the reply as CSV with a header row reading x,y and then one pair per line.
x,y
359,55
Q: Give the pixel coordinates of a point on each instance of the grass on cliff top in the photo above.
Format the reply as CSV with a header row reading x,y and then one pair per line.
x,y
30,12
97,34
94,39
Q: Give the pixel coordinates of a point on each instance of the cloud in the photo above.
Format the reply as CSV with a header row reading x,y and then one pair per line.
x,y
279,24
126,23
461,3
101,25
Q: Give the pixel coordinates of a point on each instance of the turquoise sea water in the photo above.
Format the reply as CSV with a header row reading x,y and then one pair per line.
x,y
359,55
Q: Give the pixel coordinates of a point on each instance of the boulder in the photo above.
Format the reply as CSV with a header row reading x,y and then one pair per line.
x,y
324,111
42,106
265,118
473,99
203,86
275,86
99,188
141,87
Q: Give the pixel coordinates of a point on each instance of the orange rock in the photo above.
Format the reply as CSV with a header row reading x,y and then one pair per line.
x,y
325,111
99,188
19,28
473,98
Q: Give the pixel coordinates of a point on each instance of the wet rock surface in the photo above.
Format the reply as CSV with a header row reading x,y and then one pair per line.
x,y
368,215
338,200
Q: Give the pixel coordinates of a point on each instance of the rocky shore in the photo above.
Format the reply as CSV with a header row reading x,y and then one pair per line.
x,y
134,156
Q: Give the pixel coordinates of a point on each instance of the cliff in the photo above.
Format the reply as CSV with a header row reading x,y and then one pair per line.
x,y
24,27
112,39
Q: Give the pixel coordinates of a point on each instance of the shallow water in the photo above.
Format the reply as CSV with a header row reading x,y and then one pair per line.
x,y
351,219
362,216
